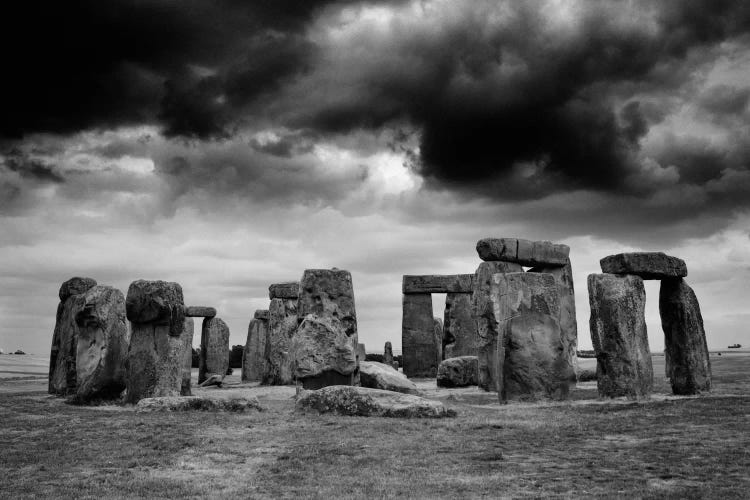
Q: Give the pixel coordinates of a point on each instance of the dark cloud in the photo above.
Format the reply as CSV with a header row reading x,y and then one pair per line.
x,y
29,168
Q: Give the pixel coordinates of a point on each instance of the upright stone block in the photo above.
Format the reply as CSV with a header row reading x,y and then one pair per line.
x,y
62,363
323,353
388,354
329,292
188,330
484,317
214,357
289,290
254,355
102,347
459,327
686,350
563,276
156,311
418,336
532,361
438,325
282,323
361,352
618,333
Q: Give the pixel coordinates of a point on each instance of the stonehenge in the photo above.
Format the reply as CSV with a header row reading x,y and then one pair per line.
x,y
388,354
418,336
188,330
200,312
282,323
460,371
155,310
459,328
618,328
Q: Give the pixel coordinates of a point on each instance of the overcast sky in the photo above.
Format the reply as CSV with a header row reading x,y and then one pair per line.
x,y
228,145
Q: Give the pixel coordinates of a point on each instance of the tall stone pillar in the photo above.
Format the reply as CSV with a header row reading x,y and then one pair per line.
x,y
254,355
532,361
686,350
282,323
62,359
618,333
156,311
419,350
459,327
188,330
485,320
214,357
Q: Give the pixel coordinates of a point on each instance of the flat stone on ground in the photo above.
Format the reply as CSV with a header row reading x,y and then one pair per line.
x,y
198,403
366,402
458,372
647,265
382,376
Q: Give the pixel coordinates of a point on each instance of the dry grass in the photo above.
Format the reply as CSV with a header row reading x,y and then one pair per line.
x,y
678,448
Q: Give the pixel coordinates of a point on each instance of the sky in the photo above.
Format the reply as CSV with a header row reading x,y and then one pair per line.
x,y
228,145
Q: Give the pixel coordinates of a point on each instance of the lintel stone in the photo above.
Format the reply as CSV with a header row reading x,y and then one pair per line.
x,y
524,252
438,283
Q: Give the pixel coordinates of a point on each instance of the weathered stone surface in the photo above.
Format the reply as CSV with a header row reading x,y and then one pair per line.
x,y
157,303
437,283
461,371
62,366
254,355
481,307
459,327
188,330
261,314
213,380
155,360
75,286
282,323
523,252
420,351
102,346
322,353
647,265
438,339
618,333
214,356
200,311
382,376
532,361
288,290
361,352
198,403
329,292
388,354
568,325
689,368
366,402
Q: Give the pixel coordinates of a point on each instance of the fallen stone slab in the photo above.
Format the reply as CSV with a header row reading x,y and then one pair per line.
x,y
647,265
366,402
523,252
619,337
438,283
213,380
383,376
461,371
198,403
288,290
685,347
200,312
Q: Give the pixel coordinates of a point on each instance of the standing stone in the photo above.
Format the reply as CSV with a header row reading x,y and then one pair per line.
x,y
188,330
532,361
420,352
282,323
156,311
568,325
102,347
323,353
459,327
618,333
486,326
438,331
686,350
62,363
214,357
457,372
388,354
254,355
361,352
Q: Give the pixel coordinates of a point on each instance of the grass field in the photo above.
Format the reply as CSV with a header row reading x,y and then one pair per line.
x,y
666,447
